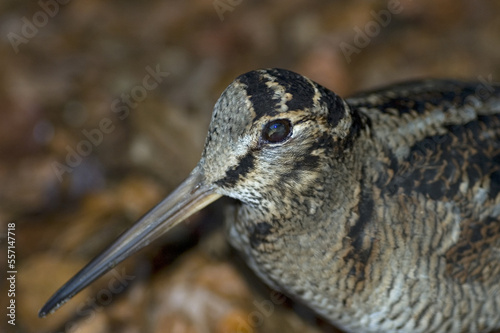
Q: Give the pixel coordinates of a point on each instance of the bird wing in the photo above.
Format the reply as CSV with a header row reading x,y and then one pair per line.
x,y
441,142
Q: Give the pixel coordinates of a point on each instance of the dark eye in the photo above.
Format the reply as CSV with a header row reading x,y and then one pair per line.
x,y
277,130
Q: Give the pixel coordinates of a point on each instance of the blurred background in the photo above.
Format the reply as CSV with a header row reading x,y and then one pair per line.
x,y
104,110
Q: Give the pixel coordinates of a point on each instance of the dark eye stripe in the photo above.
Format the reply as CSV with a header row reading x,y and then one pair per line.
x,y
277,130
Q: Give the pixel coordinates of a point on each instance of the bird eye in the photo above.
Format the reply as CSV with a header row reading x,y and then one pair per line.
x,y
277,130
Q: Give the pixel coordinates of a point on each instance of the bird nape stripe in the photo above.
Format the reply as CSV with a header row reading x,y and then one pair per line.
x,y
301,90
259,94
334,105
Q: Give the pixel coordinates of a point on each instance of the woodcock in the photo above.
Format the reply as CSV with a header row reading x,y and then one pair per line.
x,y
380,212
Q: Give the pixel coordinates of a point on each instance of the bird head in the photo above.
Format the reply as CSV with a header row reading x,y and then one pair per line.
x,y
271,132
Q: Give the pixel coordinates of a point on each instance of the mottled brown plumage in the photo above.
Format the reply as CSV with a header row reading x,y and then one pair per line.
x,y
381,212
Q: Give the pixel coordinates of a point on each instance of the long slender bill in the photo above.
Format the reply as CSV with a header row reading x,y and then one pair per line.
x,y
191,196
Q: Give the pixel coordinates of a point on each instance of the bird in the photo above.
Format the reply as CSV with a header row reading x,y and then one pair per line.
x,y
379,211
